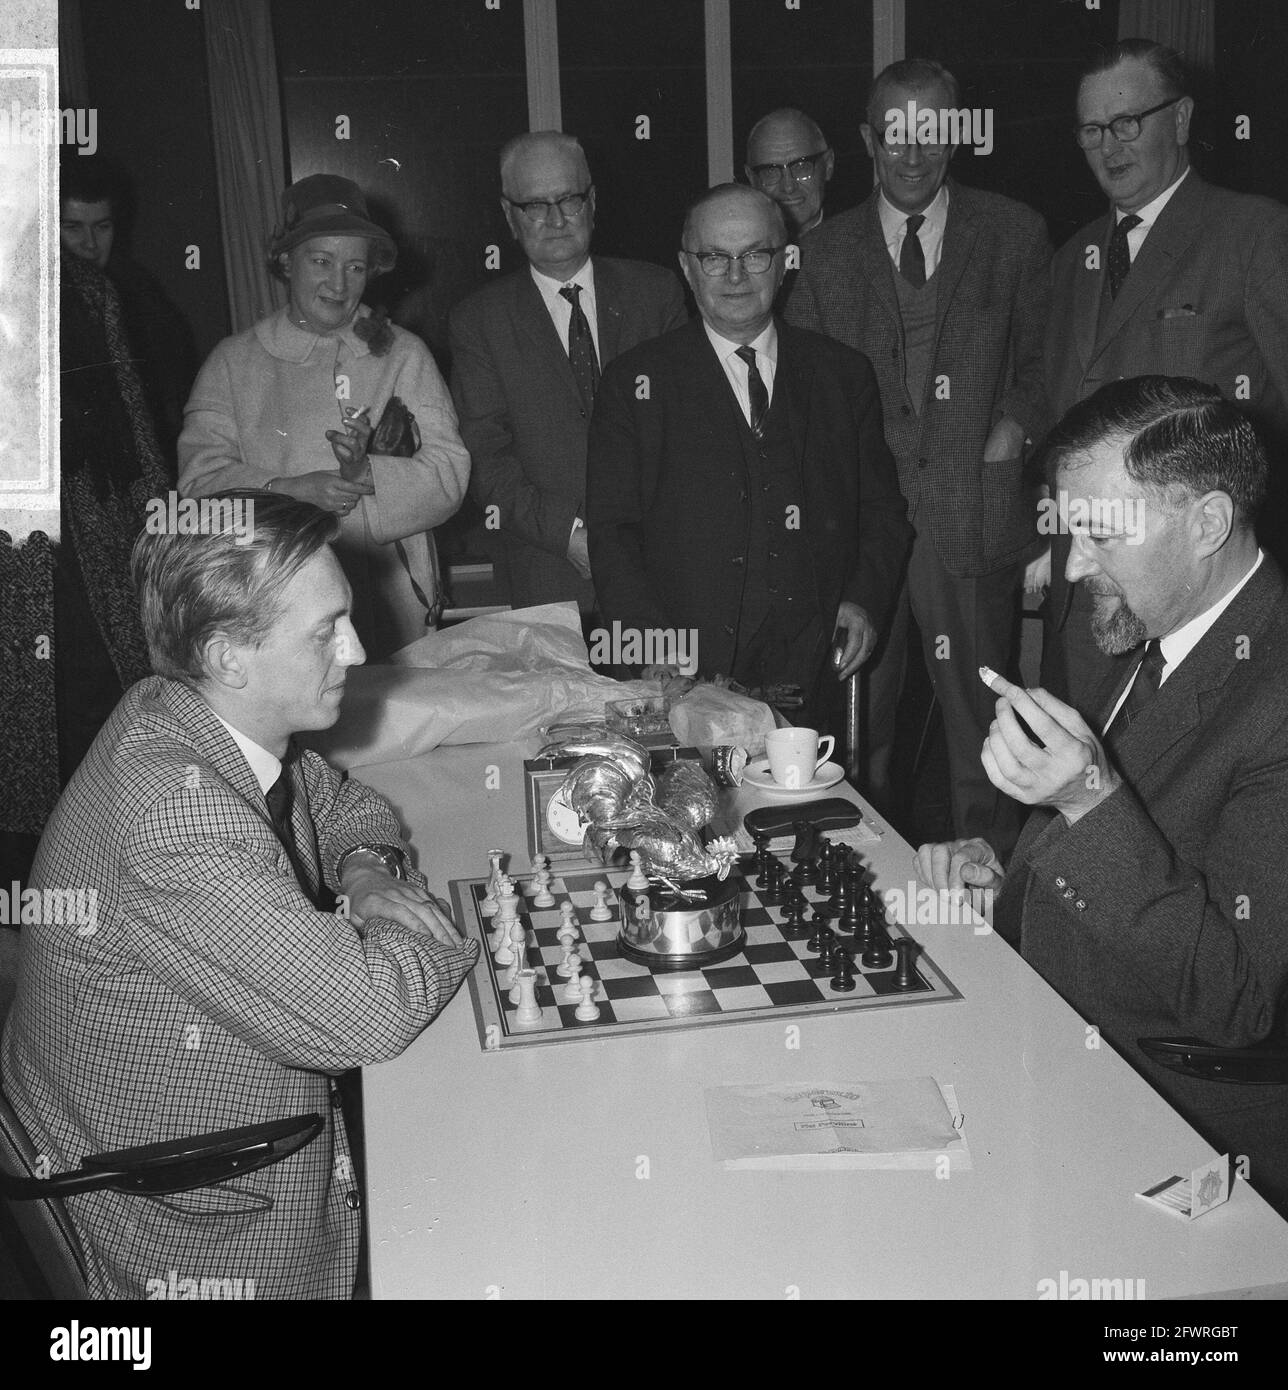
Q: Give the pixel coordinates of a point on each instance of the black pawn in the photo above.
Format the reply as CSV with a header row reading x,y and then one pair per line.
x,y
843,965
905,972
822,935
876,956
827,951
794,916
771,888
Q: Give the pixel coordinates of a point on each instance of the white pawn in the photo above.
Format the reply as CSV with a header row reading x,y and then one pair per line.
x,y
568,940
601,912
489,904
543,897
638,879
573,993
519,952
529,1010
587,1010
568,917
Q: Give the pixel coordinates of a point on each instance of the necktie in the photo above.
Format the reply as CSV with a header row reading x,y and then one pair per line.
x,y
912,259
281,802
1143,689
756,392
1119,254
581,348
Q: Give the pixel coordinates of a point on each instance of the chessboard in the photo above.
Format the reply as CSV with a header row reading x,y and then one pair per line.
x,y
776,974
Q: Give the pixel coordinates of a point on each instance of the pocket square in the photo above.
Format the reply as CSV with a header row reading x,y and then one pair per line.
x,y
1181,311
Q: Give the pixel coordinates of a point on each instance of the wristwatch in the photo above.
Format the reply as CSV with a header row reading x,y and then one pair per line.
x,y
390,856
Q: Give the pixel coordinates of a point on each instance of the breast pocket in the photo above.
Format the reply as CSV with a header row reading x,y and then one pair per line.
x,y
1178,343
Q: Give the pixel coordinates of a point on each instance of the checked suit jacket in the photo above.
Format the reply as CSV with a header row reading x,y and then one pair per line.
x,y
667,500
209,994
521,416
1206,297
1164,911
990,315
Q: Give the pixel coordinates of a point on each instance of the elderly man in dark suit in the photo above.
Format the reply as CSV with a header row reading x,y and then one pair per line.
x,y
1147,886
944,289
1179,277
211,984
739,486
527,353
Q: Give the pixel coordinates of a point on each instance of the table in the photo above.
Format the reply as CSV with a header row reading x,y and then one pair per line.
x,y
584,1169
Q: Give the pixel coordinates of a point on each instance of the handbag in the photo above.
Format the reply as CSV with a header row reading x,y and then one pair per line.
x,y
397,435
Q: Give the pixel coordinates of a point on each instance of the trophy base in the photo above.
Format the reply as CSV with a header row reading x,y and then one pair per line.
x,y
669,933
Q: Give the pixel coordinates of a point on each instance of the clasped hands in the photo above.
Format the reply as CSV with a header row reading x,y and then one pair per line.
x,y
375,892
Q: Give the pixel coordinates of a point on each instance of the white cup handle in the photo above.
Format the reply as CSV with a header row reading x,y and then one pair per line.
x,y
824,753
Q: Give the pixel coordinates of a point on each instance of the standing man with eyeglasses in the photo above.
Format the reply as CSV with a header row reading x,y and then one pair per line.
x,y
788,159
944,288
738,484
527,353
1179,278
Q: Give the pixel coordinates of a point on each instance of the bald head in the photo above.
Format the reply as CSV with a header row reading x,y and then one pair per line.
x,y
788,159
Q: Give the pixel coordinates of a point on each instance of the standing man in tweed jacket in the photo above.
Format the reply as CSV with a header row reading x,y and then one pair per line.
x,y
944,289
212,989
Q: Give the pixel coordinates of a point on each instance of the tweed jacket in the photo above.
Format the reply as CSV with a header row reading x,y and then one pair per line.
x,y
1163,911
986,362
261,407
523,420
667,503
207,993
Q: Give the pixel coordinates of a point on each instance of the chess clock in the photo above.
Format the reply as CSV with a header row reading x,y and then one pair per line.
x,y
554,828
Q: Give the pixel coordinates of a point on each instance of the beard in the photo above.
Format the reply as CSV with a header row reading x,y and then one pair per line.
x,y
1114,626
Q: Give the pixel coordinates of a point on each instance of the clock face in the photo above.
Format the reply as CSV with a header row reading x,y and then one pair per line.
x,y
564,822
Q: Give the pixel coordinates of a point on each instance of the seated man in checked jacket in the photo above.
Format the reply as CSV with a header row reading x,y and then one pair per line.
x,y
210,987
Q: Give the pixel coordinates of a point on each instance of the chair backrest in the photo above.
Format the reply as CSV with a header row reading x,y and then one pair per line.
x,y
42,1225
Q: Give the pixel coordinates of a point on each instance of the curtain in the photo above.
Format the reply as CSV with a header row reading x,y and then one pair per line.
x,y
1186,25
73,89
250,164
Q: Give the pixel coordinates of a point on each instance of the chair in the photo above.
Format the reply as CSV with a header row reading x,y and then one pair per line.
x,y
1240,1066
33,1199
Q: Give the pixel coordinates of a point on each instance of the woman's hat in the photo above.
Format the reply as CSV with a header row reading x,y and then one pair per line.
x,y
327,205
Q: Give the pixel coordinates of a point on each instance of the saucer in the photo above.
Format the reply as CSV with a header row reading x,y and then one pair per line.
x,y
756,774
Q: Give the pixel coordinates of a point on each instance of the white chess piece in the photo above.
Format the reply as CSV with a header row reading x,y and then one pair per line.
x,y
587,1010
529,1011
519,950
573,993
568,917
489,904
568,940
638,879
543,897
601,912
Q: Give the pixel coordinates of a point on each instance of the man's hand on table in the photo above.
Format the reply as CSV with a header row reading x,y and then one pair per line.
x,y
376,893
1070,772
962,866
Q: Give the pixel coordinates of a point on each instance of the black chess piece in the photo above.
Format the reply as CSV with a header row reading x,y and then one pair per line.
x,y
843,966
771,891
905,973
877,955
853,904
827,949
827,869
822,933
805,852
794,916
765,862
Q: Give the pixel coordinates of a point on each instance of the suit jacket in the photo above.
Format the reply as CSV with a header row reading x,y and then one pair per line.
x,y
667,484
522,418
1162,911
990,314
1206,297
208,993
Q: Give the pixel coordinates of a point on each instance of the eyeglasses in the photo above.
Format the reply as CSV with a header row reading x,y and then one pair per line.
x,y
571,205
895,148
802,170
715,263
1125,129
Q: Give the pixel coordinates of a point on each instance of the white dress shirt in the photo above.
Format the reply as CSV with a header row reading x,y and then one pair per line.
x,y
263,764
766,348
894,227
1176,646
561,311
1148,216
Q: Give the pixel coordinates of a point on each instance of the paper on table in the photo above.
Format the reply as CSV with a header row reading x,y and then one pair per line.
x,y
906,1123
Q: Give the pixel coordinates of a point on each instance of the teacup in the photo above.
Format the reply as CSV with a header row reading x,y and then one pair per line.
x,y
795,756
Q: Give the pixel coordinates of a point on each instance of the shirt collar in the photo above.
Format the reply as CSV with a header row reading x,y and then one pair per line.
x,y
288,341
266,767
893,220
765,343
550,286
1176,646
1149,213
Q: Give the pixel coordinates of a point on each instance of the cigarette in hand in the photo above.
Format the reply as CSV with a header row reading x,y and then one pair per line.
x,y
361,410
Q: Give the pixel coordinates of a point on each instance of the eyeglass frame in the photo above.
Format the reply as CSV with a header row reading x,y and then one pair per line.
x,y
585,195
1103,126
758,170
728,259
931,148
